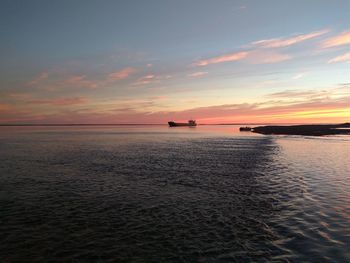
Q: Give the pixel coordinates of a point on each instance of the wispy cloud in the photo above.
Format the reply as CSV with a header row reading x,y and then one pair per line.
x,y
289,41
197,74
121,74
42,76
151,78
262,51
304,110
299,75
224,58
80,81
342,58
146,80
157,98
61,101
64,81
285,106
20,95
266,57
299,94
339,40
257,56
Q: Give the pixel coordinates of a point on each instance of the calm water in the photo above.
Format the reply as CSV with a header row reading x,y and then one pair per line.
x,y
159,194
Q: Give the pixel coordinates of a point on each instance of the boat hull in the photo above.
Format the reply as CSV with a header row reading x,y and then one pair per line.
x,y
180,124
245,129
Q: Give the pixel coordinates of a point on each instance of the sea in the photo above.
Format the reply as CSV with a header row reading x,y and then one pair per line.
x,y
186,194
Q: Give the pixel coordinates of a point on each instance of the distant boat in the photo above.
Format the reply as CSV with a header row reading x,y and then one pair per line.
x,y
190,123
245,128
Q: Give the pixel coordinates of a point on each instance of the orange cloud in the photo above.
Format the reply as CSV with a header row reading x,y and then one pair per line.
x,y
342,58
225,58
4,107
121,74
285,42
340,40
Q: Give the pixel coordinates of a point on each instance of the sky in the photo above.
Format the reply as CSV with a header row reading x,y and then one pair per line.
x,y
242,61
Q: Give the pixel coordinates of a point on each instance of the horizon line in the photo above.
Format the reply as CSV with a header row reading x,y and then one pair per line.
x,y
139,124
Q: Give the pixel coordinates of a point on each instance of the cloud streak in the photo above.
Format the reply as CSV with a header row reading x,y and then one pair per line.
x,y
41,77
299,94
298,76
342,58
121,74
61,101
252,57
339,40
267,57
305,106
197,74
285,42
224,58
146,80
262,51
80,82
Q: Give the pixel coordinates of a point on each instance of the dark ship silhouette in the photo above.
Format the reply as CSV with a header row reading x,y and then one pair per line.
x,y
246,128
190,123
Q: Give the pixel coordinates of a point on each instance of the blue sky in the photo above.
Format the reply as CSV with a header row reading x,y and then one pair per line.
x,y
151,61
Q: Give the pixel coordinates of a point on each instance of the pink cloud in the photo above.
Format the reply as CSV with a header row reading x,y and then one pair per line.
x,y
224,58
284,42
121,74
339,40
342,58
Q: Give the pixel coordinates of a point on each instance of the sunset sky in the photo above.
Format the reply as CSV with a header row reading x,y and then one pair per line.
x,y
153,61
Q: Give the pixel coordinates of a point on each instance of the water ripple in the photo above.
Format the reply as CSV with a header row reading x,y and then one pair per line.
x,y
174,199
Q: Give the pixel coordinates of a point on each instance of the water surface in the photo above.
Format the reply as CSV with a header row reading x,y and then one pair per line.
x,y
159,194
